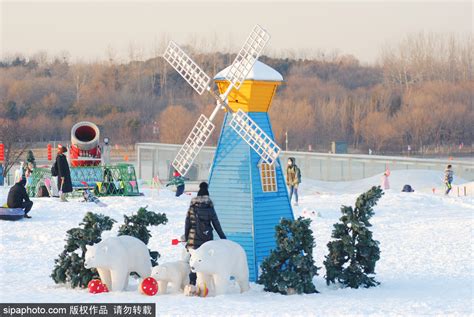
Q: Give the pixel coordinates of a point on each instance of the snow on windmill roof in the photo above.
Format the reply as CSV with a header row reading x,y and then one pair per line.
x,y
259,71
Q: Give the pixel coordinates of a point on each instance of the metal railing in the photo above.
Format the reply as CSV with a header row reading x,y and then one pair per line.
x,y
154,159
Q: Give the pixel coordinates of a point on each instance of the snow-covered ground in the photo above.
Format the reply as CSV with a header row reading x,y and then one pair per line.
x,y
426,264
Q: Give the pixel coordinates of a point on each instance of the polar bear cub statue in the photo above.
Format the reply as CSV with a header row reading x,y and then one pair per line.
x,y
115,258
175,274
218,260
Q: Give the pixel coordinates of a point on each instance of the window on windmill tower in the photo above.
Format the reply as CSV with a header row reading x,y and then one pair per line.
x,y
268,177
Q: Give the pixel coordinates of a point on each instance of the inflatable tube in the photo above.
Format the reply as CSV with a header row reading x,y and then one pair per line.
x,y
11,213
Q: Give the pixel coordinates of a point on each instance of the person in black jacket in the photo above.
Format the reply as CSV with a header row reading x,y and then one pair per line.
x,y
18,197
64,175
200,216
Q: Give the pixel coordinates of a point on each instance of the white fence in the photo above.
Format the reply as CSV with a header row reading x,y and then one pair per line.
x,y
154,159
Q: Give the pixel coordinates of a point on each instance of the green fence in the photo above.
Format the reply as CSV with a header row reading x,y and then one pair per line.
x,y
110,180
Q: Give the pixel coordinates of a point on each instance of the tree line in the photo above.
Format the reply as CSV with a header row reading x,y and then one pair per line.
x,y
418,93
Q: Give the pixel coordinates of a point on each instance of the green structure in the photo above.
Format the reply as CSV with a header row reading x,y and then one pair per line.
x,y
109,180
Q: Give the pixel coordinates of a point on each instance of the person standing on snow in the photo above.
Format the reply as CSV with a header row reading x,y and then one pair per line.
x,y
105,152
178,181
64,174
385,183
448,178
19,172
293,178
198,228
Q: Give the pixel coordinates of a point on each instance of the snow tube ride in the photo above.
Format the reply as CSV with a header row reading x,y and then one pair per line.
x,y
85,144
11,213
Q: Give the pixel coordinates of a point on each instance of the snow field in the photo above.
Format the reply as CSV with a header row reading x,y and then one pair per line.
x,y
426,243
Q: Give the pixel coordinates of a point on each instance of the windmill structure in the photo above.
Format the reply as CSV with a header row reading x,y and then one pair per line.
x,y
246,182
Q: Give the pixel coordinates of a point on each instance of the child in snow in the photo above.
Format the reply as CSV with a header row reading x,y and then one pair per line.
x,y
448,178
385,183
178,181
28,173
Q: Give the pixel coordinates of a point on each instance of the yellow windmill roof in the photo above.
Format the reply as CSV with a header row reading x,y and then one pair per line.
x,y
259,71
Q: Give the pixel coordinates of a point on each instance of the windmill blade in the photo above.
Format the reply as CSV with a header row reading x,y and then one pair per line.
x,y
186,67
265,147
200,133
247,56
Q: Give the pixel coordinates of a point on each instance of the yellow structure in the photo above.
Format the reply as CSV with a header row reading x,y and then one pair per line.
x,y
256,92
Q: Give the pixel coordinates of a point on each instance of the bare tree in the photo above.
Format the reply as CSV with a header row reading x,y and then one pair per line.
x,y
13,136
80,73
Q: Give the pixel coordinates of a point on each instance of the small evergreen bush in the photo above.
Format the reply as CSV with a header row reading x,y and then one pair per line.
x,y
290,268
353,253
69,267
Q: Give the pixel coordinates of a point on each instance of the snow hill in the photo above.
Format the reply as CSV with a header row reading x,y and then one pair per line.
x,y
420,181
426,265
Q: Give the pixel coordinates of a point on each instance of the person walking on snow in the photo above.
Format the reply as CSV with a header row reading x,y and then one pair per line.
x,y
293,179
18,197
178,181
448,178
198,228
385,183
64,174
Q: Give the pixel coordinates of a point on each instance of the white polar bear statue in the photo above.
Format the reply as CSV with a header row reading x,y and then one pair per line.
x,y
175,274
115,258
216,261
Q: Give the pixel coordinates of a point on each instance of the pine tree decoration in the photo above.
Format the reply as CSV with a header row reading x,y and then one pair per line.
x,y
69,267
352,256
30,158
290,269
136,226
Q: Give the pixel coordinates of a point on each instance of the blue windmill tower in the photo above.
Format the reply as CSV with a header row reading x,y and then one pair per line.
x,y
246,182
249,194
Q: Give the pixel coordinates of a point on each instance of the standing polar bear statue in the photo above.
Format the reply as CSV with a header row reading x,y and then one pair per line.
x,y
216,261
115,258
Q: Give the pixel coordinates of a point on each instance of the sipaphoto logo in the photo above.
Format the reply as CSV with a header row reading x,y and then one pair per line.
x,y
78,309
22,311
33,310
